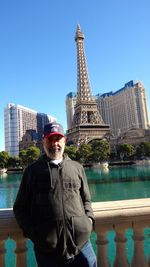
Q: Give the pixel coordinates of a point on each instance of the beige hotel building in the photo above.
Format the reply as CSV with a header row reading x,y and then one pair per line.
x,y
123,110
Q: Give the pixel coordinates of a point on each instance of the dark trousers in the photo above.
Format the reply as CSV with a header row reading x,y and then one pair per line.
x,y
86,258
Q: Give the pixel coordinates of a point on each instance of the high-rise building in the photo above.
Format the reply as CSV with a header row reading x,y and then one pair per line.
x,y
84,120
71,99
124,109
19,119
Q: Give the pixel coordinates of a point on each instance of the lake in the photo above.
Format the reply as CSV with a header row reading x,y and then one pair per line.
x,y
115,183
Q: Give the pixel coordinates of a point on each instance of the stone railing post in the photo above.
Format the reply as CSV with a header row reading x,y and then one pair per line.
x,y
9,227
102,243
121,257
3,238
20,250
138,237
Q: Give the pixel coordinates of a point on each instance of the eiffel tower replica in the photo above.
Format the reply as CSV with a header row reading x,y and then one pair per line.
x,y
87,122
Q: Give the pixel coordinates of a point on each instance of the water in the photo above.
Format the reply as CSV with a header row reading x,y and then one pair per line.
x,y
116,183
119,183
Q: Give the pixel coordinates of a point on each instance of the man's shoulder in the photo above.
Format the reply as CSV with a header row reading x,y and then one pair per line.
x,y
35,164
70,162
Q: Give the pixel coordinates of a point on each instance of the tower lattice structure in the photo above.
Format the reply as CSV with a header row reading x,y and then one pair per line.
x,y
87,121
86,111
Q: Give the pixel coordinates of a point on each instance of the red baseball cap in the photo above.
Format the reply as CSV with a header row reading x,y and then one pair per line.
x,y
53,128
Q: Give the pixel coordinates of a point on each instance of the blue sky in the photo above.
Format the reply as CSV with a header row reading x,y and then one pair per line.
x,y
38,52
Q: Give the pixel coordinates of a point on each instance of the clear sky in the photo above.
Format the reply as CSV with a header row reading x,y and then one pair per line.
x,y
38,59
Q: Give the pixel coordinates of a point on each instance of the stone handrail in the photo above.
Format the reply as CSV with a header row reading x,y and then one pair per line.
x,y
120,216
112,215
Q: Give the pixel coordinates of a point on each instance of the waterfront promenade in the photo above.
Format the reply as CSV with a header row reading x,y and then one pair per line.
x,y
120,238
118,216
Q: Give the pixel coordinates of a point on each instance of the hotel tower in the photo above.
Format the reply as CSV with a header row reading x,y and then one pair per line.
x,y
19,119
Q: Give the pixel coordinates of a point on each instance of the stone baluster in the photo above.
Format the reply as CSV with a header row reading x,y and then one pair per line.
x,y
2,249
138,257
20,250
121,257
102,243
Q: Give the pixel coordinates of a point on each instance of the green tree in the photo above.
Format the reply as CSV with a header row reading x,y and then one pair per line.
x,y
143,150
84,153
29,155
23,157
126,150
100,150
14,162
4,157
71,151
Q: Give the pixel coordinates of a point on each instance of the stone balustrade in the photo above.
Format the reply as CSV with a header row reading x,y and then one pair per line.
x,y
118,216
121,216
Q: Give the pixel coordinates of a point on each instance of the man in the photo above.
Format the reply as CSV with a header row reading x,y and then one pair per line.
x,y
53,206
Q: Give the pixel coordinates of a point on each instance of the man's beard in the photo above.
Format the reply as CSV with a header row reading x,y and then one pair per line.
x,y
54,152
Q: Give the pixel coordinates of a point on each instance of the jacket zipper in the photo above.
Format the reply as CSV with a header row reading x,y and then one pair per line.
x,y
61,192
64,221
50,175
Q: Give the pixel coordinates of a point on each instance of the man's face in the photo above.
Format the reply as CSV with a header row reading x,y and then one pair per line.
x,y
54,146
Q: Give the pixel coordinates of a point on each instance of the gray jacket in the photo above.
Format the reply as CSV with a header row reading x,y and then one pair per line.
x,y
53,206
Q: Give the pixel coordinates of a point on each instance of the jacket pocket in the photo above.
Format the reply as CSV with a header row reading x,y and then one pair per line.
x,y
72,198
82,228
70,184
48,232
